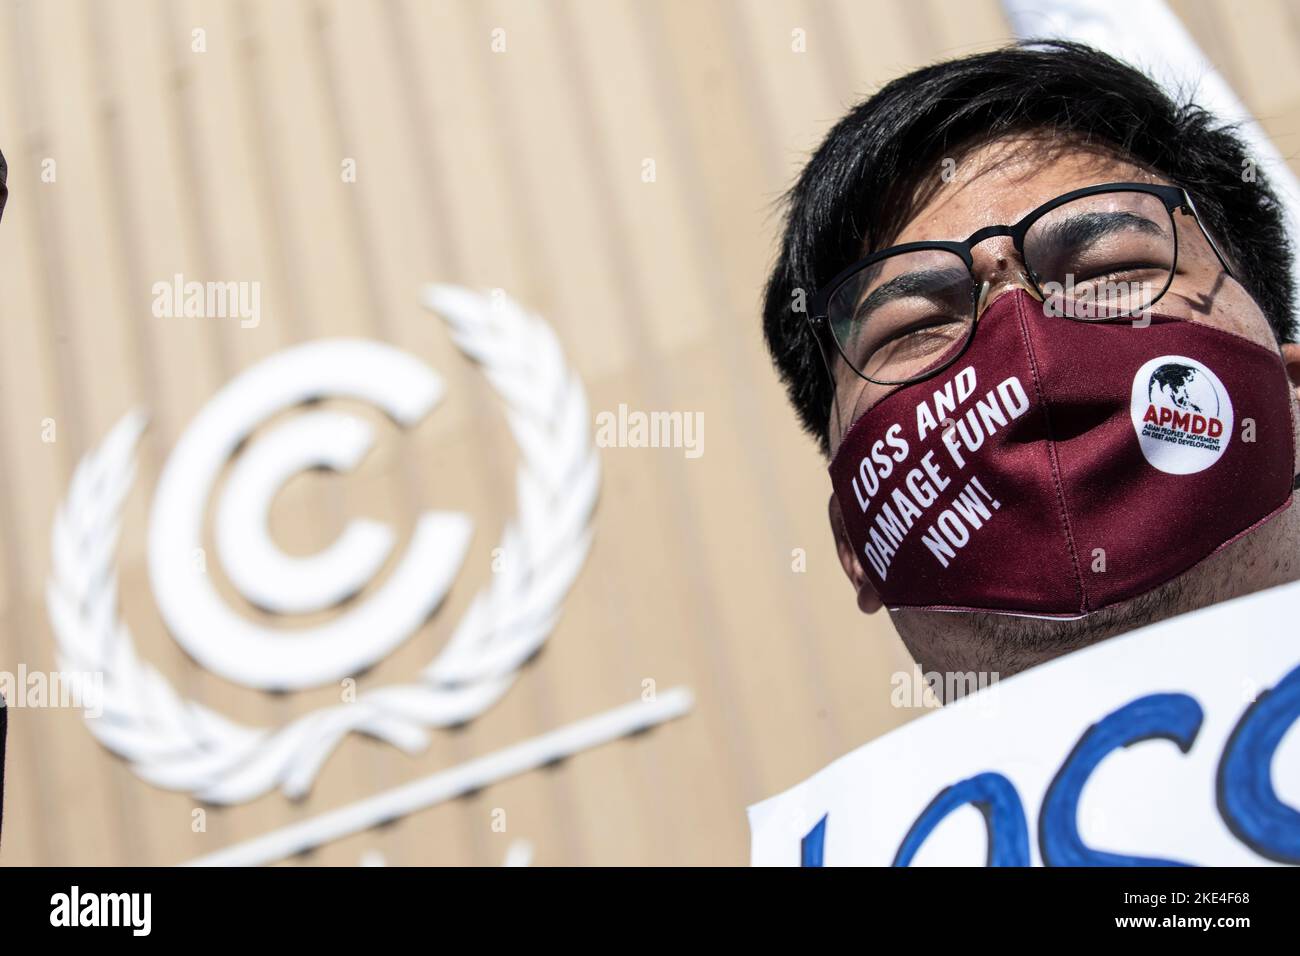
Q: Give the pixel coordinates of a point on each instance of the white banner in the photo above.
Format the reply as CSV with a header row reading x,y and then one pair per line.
x,y
1179,743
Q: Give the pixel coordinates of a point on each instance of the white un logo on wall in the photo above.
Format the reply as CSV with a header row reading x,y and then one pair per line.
x,y
1182,414
181,744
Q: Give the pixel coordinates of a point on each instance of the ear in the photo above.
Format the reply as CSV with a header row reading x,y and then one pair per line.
x,y
1291,358
868,600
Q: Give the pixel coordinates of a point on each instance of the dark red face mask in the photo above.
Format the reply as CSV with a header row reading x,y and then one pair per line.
x,y
1061,466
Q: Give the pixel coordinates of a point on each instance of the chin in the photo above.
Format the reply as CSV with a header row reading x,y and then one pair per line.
x,y
1005,644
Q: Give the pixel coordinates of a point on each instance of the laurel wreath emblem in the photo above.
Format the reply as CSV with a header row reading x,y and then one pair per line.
x,y
180,744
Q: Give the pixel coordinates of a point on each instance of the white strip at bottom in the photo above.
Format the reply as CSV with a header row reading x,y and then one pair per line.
x,y
448,784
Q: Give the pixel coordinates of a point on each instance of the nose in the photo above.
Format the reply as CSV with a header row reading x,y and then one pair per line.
x,y
999,268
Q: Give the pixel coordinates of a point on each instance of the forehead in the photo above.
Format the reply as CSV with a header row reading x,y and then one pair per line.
x,y
1000,181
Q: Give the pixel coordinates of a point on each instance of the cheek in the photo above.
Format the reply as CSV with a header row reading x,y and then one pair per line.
x,y
1240,313
1210,296
1202,292
1233,310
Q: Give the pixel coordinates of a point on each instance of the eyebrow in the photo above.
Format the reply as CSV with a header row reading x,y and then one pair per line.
x,y
909,284
1086,228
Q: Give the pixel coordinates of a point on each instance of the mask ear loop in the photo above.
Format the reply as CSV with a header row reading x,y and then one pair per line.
x,y
1189,207
828,365
835,404
835,396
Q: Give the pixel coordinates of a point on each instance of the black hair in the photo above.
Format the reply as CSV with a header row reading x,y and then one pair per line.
x,y
861,185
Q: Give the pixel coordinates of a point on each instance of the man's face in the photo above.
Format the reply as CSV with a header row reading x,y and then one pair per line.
x,y
999,183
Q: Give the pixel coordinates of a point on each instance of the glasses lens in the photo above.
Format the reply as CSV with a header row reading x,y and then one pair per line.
x,y
1102,256
903,317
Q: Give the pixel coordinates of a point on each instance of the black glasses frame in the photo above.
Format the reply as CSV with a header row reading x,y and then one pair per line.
x,y
1173,197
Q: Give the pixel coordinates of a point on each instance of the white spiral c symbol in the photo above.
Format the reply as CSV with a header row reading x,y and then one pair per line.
x,y
268,658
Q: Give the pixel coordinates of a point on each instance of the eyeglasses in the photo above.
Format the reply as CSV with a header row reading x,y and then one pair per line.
x,y
1102,252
